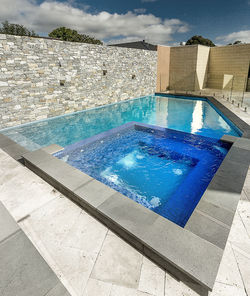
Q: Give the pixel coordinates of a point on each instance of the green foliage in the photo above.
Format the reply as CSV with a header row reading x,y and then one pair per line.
x,y
200,40
15,29
67,34
235,42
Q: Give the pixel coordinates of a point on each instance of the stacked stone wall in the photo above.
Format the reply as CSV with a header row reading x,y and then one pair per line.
x,y
41,78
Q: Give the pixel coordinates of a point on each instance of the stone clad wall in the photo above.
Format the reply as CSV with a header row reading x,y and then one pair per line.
x,y
42,78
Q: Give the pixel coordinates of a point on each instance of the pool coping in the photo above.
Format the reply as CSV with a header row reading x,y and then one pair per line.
x,y
195,250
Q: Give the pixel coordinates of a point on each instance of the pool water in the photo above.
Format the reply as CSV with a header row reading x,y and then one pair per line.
x,y
164,170
183,114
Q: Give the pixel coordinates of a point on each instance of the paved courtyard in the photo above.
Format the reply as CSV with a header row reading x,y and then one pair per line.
x,y
91,260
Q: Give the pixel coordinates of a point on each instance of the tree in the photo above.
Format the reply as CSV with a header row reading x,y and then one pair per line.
x,y
235,42
67,34
200,40
15,29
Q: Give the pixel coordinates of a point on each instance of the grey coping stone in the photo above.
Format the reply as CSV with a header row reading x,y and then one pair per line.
x,y
216,212
242,143
239,155
229,178
127,213
51,149
22,269
213,231
15,150
38,156
5,141
184,250
228,138
222,198
94,192
64,174
8,225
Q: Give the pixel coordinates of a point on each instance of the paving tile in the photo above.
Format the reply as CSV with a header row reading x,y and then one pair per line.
x,y
118,263
97,288
3,155
243,196
71,237
238,233
94,192
175,287
208,229
244,267
8,224
242,247
124,291
22,191
244,212
7,164
22,270
221,289
229,273
58,290
152,278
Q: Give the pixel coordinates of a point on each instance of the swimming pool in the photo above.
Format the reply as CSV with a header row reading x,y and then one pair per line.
x,y
164,170
191,115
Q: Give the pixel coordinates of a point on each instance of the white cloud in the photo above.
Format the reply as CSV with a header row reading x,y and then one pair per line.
x,y
243,36
140,10
48,15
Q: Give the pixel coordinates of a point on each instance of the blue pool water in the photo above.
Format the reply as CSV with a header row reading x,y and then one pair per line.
x,y
183,114
164,170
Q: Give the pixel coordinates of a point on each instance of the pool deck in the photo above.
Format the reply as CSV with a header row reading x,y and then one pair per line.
x,y
91,260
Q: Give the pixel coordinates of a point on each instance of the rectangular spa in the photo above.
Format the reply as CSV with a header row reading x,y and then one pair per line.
x,y
164,170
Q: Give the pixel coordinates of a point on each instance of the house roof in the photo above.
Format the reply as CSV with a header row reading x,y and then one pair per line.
x,y
137,44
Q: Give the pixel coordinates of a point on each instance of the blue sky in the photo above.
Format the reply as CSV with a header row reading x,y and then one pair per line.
x,y
157,21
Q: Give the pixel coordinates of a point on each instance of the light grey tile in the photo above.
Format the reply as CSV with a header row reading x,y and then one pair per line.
x,y
118,263
22,269
8,225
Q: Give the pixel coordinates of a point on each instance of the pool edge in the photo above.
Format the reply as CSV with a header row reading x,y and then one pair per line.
x,y
186,250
